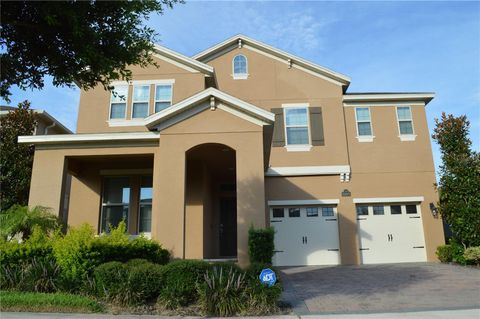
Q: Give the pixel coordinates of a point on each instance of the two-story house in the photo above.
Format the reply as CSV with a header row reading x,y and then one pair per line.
x,y
195,151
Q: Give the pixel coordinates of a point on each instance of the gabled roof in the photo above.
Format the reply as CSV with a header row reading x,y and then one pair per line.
x,y
211,52
184,60
234,105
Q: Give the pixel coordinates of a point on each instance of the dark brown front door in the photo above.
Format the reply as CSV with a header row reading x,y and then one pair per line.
x,y
228,227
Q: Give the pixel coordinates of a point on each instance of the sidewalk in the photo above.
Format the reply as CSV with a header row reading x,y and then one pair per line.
x,y
443,314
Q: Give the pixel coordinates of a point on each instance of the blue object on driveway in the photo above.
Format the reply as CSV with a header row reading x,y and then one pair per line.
x,y
268,277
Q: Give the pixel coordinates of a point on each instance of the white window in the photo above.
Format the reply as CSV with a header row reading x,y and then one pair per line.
x,y
163,97
296,126
145,205
364,124
405,123
240,67
118,102
115,202
140,103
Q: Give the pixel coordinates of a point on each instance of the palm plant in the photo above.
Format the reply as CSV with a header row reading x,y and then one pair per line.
x,y
21,220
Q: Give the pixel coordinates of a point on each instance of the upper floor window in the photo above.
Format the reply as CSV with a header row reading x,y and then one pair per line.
x,y
296,126
364,124
118,102
140,103
240,67
405,123
163,97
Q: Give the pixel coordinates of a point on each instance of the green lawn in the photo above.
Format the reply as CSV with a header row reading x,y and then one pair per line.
x,y
41,302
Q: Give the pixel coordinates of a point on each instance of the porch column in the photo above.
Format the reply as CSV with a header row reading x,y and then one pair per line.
x,y
250,193
48,179
168,205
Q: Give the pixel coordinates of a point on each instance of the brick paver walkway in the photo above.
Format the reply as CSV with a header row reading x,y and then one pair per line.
x,y
380,288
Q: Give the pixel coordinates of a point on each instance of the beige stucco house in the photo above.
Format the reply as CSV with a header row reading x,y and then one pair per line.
x,y
195,151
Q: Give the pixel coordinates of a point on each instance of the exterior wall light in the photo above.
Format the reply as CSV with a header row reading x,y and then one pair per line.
x,y
434,210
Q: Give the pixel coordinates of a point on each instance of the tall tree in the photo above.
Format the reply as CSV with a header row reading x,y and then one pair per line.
x,y
15,159
459,185
82,42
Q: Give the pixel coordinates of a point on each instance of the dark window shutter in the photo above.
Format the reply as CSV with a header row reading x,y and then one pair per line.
x,y
278,129
316,126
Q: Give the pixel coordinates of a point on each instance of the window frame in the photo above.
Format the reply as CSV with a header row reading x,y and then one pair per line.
x,y
405,137
140,204
240,76
103,205
111,102
155,97
141,102
297,147
364,138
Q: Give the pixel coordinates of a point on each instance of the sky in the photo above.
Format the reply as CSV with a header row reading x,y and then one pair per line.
x,y
383,46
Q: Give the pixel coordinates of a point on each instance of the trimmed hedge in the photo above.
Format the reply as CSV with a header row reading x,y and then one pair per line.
x,y
261,245
472,255
444,253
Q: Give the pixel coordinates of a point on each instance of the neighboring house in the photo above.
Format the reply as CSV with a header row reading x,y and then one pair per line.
x,y
196,151
46,124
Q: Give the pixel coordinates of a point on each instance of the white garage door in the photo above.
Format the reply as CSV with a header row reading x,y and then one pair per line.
x,y
390,233
305,235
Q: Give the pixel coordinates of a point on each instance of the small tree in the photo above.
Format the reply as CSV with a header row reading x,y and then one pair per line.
x,y
459,185
15,159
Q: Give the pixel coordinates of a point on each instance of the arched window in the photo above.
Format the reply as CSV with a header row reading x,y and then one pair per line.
x,y
240,67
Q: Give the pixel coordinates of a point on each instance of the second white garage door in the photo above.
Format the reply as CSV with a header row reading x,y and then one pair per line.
x,y
390,233
305,235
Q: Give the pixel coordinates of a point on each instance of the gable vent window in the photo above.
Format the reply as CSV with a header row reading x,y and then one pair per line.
x,y
118,102
140,105
163,97
240,67
405,123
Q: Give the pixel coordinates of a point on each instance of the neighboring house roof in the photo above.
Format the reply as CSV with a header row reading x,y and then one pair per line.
x,y
424,97
236,106
183,60
42,115
233,42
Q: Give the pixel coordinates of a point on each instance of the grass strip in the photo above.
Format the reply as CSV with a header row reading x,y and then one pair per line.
x,y
42,302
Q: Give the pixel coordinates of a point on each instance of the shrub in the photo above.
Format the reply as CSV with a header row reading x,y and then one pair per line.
x,y
128,284
261,245
222,292
180,280
260,299
457,252
21,220
79,252
40,275
472,255
38,246
444,253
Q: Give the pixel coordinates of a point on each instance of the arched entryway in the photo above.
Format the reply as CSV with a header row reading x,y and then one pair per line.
x,y
210,202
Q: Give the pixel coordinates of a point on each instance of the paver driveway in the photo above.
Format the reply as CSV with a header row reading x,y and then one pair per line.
x,y
380,288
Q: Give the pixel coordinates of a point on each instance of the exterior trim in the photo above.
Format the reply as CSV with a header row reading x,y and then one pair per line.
x,y
122,122
303,202
143,82
88,138
133,171
307,170
183,59
390,98
205,55
244,107
388,200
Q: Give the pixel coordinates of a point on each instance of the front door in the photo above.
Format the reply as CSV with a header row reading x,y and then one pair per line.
x,y
228,227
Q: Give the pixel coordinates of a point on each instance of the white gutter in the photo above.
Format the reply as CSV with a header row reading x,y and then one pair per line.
x,y
88,138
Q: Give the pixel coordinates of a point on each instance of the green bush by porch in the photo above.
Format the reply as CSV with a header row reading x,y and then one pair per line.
x,y
261,245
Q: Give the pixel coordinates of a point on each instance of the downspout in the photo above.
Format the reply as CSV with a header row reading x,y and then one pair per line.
x,y
45,132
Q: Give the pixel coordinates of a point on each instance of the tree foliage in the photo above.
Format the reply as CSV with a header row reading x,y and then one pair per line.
x,y
459,185
15,159
21,220
82,42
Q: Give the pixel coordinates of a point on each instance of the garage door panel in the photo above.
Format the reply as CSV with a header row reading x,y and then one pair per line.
x,y
310,239
392,235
